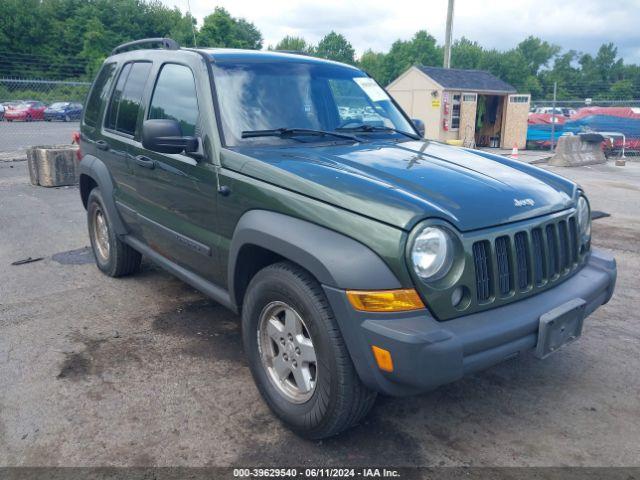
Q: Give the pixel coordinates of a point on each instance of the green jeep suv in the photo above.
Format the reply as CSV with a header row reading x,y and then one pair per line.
x,y
361,258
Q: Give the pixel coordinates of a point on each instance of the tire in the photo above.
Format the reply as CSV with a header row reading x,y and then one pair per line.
x,y
113,257
338,399
66,118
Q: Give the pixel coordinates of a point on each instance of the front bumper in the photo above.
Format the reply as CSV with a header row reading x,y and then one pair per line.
x,y
428,353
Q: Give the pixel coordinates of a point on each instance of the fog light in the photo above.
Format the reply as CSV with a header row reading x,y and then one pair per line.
x,y
383,358
385,300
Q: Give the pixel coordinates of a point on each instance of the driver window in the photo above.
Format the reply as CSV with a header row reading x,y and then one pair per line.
x,y
174,97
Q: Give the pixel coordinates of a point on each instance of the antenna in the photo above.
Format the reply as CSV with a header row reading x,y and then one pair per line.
x,y
193,28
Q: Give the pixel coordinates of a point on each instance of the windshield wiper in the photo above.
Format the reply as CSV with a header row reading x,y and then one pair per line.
x,y
292,132
372,128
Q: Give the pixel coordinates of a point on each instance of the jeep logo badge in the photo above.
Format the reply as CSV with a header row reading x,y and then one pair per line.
x,y
523,202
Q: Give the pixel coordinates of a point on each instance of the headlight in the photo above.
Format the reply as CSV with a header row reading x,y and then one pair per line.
x,y
584,219
432,253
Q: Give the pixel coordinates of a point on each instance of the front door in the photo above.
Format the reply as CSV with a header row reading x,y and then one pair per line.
x,y
177,194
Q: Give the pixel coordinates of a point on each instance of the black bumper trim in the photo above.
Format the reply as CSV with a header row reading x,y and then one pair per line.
x,y
428,353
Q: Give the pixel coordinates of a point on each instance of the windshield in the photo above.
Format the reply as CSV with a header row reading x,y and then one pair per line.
x,y
256,96
58,105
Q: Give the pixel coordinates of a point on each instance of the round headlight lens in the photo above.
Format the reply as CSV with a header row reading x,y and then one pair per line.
x,y
584,218
432,253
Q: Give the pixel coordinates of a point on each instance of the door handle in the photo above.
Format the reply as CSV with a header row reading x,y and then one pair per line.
x,y
102,145
145,162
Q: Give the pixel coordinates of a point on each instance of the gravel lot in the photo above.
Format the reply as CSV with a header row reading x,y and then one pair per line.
x,y
146,371
18,136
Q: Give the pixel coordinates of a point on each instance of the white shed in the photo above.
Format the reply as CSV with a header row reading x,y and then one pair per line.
x,y
468,107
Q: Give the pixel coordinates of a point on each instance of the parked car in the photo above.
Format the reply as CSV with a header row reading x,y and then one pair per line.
x,y
26,111
361,258
1,112
64,111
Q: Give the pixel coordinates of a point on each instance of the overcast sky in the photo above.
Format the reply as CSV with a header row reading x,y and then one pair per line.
x,y
573,24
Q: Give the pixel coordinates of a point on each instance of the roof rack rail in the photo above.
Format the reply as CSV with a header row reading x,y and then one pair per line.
x,y
294,52
167,43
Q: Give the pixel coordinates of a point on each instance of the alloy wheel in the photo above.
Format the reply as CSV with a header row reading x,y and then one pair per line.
x,y
287,352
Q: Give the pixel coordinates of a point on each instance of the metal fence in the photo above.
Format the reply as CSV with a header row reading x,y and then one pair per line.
x,y
548,120
617,120
26,116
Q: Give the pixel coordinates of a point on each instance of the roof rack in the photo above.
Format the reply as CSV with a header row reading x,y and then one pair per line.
x,y
166,43
294,52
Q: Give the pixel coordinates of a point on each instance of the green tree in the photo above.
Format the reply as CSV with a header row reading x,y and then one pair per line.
x,y
536,53
293,44
466,54
335,46
622,90
422,49
374,64
220,29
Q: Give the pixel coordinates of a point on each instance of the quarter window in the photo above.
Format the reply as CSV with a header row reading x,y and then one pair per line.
x,y
174,97
125,100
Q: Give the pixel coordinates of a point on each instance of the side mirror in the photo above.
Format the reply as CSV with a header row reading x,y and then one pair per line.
x,y
419,124
165,136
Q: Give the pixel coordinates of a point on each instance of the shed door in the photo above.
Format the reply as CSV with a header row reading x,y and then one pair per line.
x,y
468,106
514,128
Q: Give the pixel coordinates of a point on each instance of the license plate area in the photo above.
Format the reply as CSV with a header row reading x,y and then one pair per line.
x,y
560,326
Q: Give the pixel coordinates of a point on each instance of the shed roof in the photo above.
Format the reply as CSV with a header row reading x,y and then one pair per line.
x,y
461,79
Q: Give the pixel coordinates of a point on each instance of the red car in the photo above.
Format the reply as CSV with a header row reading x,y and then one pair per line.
x,y
25,111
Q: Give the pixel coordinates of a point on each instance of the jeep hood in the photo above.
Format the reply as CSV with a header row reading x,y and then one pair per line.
x,y
403,183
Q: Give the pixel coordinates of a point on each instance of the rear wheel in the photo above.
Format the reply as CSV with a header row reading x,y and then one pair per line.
x,y
297,355
114,257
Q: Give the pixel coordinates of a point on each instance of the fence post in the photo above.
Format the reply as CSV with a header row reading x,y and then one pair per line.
x,y
553,116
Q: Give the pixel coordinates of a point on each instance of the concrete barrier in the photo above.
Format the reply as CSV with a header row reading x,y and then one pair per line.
x,y
53,165
577,150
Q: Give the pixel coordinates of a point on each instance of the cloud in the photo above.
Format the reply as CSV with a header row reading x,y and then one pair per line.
x,y
573,24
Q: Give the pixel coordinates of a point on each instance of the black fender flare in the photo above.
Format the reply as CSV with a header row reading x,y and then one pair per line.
x,y
334,259
94,168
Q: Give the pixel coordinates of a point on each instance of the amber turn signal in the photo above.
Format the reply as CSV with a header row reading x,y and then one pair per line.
x,y
385,300
383,358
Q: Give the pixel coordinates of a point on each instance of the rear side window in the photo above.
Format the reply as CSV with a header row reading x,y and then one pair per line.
x,y
125,100
97,93
175,97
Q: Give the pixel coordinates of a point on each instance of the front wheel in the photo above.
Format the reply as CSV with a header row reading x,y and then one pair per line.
x,y
297,355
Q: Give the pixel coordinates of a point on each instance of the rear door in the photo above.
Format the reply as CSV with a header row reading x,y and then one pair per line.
x,y
120,121
176,194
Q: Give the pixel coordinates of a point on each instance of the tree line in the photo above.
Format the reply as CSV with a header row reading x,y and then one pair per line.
x,y
69,39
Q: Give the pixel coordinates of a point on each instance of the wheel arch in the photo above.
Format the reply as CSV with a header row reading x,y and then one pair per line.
x,y
263,237
94,173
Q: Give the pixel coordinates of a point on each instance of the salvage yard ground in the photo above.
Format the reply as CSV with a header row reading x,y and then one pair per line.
x,y
146,371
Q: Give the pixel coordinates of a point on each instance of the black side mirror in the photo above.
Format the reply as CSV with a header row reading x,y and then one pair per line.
x,y
419,124
165,136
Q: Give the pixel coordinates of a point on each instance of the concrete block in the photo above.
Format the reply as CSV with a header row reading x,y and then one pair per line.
x,y
53,165
577,150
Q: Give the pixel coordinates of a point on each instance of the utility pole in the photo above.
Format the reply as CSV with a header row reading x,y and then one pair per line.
x,y
448,35
553,115
193,28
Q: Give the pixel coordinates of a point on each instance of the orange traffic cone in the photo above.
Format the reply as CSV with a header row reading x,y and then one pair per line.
x,y
514,151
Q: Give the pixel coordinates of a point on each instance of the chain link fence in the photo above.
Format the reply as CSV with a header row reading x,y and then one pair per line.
x,y
38,112
617,120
